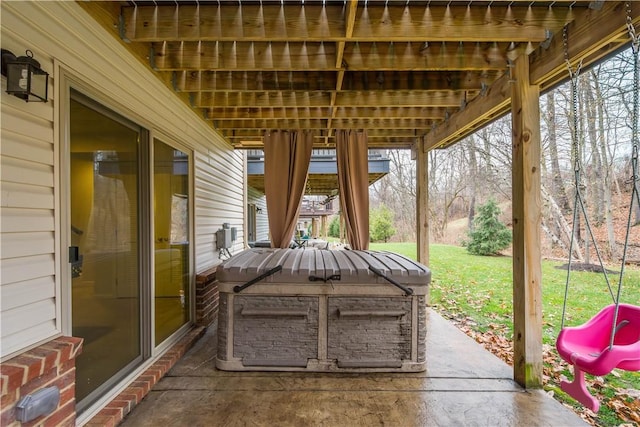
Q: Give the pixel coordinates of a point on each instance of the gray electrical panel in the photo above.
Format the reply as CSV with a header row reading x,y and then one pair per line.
x,y
225,237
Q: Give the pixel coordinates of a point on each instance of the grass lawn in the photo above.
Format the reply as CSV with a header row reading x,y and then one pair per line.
x,y
479,289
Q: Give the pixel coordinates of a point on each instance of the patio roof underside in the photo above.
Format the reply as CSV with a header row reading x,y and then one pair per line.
x,y
402,70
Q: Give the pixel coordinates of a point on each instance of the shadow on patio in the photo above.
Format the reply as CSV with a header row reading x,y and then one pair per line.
x,y
463,385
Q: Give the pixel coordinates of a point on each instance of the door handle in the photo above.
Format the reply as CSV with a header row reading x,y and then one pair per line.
x,y
75,259
74,254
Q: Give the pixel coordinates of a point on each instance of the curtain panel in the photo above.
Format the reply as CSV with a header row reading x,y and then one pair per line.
x,y
286,162
353,185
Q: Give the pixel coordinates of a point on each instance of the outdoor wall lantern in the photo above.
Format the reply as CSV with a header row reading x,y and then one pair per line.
x,y
25,78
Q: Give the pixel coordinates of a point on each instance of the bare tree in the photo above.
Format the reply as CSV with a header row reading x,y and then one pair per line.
x,y
559,192
473,184
397,191
605,181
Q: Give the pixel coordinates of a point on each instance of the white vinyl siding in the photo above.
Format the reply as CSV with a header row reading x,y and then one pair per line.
x,y
62,34
27,221
262,219
218,200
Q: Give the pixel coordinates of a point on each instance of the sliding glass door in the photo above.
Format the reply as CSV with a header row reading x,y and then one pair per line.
x,y
129,244
171,243
104,251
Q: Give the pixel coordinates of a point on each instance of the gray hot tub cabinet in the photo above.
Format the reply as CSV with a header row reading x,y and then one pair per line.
x,y
322,311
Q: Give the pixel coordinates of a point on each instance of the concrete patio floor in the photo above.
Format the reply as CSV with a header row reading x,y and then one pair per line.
x,y
464,385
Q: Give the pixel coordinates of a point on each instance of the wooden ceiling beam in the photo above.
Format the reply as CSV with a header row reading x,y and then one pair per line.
x,y
518,23
391,98
229,81
394,143
386,143
412,55
253,134
234,113
419,80
314,56
232,56
393,124
415,98
315,22
264,124
378,112
494,103
236,22
592,36
324,81
291,123
350,9
263,99
238,113
350,20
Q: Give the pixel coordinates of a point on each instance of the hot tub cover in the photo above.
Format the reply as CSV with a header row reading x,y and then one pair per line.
x,y
308,265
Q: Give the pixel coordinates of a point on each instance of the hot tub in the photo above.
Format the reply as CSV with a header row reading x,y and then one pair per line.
x,y
322,310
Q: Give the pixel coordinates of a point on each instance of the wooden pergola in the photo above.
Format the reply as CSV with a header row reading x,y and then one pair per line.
x,y
415,74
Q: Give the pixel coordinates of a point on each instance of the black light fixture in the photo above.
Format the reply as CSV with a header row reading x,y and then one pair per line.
x,y
25,78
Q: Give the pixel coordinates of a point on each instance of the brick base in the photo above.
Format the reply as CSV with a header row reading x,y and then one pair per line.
x,y
207,297
122,404
51,364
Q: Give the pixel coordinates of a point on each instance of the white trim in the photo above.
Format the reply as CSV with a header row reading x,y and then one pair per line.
x,y
63,197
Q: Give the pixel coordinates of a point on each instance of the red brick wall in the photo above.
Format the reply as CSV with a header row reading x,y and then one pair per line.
x,y
207,297
116,410
53,363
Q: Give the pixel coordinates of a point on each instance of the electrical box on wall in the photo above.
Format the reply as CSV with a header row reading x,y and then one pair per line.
x,y
223,238
226,236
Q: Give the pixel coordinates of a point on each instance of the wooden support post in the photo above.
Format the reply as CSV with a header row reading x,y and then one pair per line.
x,y
527,294
422,201
323,226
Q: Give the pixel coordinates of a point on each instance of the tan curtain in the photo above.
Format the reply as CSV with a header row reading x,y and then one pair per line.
x,y
353,185
286,163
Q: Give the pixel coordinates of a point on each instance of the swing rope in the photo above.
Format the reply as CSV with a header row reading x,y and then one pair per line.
x,y
574,75
635,179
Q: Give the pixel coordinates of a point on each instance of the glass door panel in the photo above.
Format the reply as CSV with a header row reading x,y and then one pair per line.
x,y
171,222
104,237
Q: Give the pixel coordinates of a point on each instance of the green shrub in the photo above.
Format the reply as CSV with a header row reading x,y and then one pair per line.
x,y
334,227
489,235
381,224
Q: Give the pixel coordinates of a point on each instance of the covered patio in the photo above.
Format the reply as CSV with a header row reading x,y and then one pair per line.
x,y
417,75
463,385
213,77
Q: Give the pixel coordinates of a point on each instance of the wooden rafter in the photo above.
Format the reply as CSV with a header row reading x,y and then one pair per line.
x,y
437,65
239,113
393,21
318,56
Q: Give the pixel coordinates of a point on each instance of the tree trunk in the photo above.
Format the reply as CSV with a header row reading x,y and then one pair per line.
x,y
636,210
561,224
607,170
595,179
559,191
473,169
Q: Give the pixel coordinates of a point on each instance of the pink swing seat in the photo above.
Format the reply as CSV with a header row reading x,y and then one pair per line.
x,y
586,347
